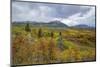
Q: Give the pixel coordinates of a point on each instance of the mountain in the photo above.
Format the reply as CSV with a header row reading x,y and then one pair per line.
x,y
54,24
82,26
57,24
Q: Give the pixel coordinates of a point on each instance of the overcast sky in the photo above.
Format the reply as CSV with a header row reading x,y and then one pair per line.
x,y
42,12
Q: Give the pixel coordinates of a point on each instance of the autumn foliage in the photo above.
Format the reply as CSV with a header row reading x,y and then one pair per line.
x,y
33,46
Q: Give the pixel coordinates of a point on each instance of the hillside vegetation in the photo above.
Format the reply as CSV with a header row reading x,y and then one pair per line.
x,y
43,45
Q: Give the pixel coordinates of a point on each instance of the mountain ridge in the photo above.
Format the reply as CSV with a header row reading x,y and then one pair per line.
x,y
54,23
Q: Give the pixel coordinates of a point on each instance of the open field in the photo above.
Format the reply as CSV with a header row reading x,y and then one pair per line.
x,y
44,45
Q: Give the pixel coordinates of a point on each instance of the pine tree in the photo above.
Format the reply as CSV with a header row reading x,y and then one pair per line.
x,y
60,41
60,34
52,34
40,33
27,28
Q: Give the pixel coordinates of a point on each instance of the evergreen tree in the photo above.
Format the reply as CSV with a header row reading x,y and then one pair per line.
x,y
27,28
40,33
52,34
60,41
60,34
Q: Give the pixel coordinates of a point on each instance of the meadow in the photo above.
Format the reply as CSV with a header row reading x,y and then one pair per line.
x,y
44,45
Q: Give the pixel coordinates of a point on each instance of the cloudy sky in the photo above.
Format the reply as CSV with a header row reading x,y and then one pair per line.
x,y
42,12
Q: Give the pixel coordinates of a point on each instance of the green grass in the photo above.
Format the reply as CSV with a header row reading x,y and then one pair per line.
x,y
78,45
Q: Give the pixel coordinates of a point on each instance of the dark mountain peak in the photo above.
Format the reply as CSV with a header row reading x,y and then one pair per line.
x,y
57,23
82,25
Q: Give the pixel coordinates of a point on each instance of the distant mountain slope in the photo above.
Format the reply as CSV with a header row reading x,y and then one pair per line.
x,y
57,24
82,26
44,24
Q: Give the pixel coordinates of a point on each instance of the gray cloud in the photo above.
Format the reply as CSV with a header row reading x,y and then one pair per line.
x,y
26,11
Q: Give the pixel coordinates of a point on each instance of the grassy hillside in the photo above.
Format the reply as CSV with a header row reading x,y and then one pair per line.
x,y
52,45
